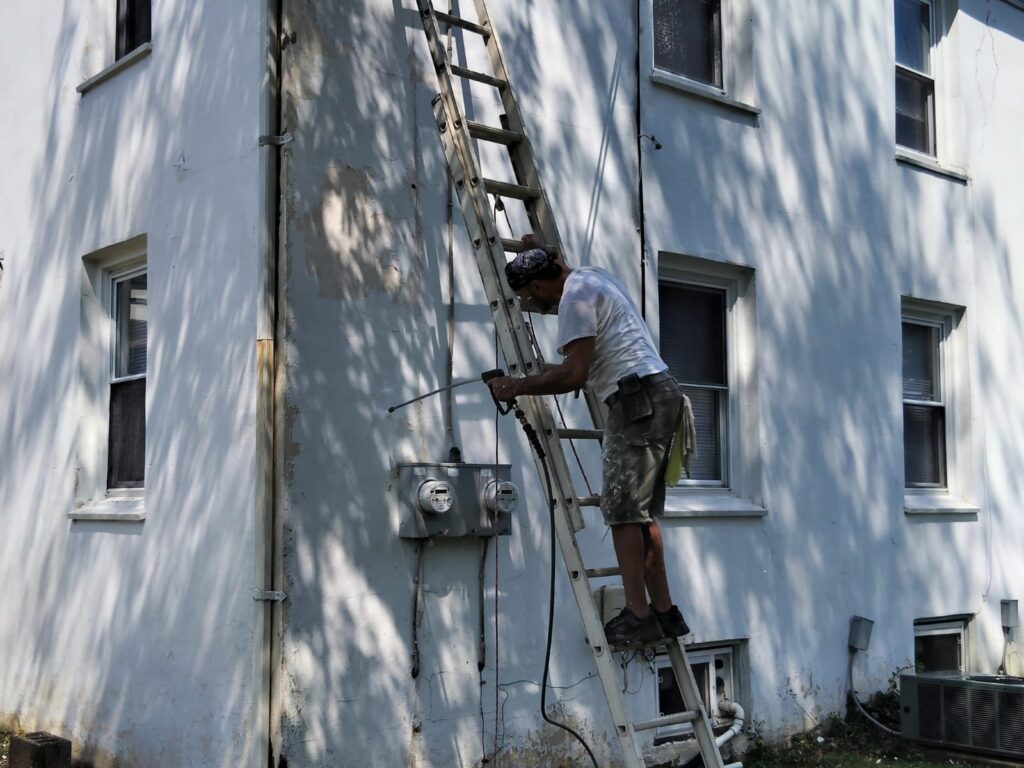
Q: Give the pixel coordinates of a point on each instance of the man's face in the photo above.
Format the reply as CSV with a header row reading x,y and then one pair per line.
x,y
536,297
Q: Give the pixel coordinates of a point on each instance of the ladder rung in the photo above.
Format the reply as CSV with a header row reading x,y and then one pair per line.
x,y
598,573
505,189
682,717
515,246
490,133
590,501
480,77
458,21
580,434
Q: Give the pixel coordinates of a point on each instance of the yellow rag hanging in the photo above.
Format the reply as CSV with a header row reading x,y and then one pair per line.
x,y
684,446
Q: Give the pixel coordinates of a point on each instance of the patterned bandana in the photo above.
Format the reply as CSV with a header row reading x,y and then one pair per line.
x,y
535,264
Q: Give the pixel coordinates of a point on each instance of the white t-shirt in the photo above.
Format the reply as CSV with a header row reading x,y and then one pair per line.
x,y
595,303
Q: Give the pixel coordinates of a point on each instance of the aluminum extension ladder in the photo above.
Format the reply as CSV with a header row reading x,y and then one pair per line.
x,y
520,352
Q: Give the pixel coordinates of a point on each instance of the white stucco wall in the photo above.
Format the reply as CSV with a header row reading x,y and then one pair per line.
x,y
808,194
135,640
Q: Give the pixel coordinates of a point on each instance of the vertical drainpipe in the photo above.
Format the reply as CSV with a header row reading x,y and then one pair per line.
x,y
267,611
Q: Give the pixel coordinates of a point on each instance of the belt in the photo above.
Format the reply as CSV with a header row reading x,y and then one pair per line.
x,y
653,378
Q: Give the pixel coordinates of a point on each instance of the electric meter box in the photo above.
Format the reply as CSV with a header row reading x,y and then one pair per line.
x,y
454,500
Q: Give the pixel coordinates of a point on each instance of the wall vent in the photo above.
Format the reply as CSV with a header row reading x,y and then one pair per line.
x,y
982,713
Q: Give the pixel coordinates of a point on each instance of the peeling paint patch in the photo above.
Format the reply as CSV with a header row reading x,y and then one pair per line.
x,y
355,247
291,447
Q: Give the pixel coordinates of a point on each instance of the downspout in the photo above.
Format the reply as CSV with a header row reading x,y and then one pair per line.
x,y
266,590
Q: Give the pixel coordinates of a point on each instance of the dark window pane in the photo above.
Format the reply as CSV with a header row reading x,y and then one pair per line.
x,y
133,25
693,333
924,445
126,451
131,321
937,653
913,35
915,113
707,465
688,38
920,362
670,701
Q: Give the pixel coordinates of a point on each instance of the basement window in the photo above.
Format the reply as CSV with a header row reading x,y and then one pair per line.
x,y
715,672
940,644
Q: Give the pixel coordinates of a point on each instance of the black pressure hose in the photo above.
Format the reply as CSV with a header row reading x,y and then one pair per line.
x,y
531,435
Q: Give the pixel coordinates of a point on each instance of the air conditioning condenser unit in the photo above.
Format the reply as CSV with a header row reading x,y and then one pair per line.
x,y
980,713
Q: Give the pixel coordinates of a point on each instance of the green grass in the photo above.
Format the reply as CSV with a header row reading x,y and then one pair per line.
x,y
850,743
5,742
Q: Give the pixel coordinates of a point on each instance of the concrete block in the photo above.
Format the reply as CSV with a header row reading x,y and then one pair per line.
x,y
39,750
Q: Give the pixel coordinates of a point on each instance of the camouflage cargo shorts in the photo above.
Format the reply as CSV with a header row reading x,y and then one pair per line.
x,y
634,454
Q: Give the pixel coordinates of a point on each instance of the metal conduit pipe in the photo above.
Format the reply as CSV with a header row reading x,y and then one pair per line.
x,y
267,598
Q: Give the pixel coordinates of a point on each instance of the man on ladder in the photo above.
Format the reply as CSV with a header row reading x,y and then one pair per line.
x,y
607,347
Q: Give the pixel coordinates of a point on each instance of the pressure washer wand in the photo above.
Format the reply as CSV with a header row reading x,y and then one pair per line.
x,y
394,408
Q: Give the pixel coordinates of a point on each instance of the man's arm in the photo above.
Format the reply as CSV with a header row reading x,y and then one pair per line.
x,y
571,374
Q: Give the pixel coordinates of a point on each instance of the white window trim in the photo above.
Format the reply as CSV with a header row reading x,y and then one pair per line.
x,y
698,654
737,91
959,624
743,497
950,147
100,271
954,373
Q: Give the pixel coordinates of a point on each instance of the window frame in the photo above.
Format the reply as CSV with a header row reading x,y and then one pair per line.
x,y
958,625
924,77
116,278
728,288
735,690
942,326
949,156
736,59
962,466
743,496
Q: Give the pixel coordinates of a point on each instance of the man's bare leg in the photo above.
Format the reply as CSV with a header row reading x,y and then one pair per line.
x,y
654,567
630,550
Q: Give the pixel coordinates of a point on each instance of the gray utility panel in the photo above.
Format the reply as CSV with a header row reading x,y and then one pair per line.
x,y
983,713
453,500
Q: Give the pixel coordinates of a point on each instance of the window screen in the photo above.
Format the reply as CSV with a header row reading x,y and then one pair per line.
x,y
688,39
693,344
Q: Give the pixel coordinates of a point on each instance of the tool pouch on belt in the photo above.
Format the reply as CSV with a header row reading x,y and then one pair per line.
x,y
636,404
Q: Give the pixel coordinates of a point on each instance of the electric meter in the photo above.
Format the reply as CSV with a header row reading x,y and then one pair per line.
x,y
500,497
435,497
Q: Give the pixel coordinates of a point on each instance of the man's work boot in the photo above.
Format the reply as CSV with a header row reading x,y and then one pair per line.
x,y
627,629
672,622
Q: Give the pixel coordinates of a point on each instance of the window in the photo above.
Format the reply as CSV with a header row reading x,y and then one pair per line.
x,y
113,366
928,126
707,334
714,672
133,26
704,48
693,317
915,83
940,463
940,644
688,39
924,409
126,451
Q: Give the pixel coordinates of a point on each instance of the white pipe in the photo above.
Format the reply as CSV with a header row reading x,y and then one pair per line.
x,y
738,718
